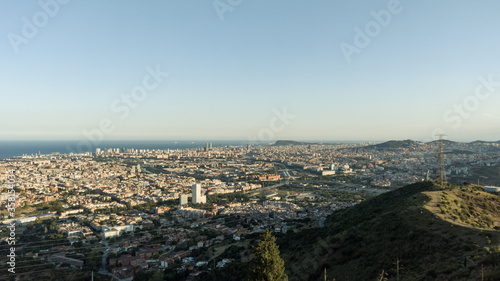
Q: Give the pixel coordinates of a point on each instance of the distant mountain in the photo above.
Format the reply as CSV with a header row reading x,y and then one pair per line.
x,y
478,146
433,233
290,142
476,142
445,142
397,144
483,142
479,142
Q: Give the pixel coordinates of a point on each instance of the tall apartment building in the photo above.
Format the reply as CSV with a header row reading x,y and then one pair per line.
x,y
183,199
198,198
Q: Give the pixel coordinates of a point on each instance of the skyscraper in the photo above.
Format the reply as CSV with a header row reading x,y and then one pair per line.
x,y
197,197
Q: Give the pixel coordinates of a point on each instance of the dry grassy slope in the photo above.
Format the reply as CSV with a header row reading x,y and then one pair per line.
x,y
467,206
359,242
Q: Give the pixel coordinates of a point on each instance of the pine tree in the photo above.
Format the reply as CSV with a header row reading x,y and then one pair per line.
x,y
267,264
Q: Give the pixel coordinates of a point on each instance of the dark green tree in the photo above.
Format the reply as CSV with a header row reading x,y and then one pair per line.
x,y
267,264
148,276
53,226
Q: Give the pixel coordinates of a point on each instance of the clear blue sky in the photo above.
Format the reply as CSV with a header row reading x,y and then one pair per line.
x,y
227,76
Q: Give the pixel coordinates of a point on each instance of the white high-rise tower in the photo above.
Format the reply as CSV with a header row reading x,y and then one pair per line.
x,y
197,197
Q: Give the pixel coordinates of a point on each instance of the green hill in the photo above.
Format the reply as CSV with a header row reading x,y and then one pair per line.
x,y
396,144
405,225
290,142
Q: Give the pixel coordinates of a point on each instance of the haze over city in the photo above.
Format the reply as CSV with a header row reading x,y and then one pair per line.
x,y
374,70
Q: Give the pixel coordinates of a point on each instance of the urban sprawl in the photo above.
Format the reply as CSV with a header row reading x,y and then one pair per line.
x,y
141,209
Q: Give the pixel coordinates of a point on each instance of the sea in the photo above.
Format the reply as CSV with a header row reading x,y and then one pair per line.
x,y
9,149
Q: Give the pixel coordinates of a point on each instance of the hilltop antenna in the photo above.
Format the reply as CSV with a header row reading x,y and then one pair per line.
x,y
441,175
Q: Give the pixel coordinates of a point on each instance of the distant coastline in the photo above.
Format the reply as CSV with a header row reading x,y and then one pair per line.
x,y
9,149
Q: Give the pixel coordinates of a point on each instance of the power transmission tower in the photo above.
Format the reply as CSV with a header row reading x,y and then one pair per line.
x,y
441,174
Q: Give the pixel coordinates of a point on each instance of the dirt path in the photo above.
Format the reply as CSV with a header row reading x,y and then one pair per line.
x,y
435,200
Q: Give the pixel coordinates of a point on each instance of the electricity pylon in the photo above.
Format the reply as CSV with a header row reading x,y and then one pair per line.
x,y
441,174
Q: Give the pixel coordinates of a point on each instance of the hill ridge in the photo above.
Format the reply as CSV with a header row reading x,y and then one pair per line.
x,y
359,242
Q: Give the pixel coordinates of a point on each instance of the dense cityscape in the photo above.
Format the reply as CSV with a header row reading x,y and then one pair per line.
x,y
120,211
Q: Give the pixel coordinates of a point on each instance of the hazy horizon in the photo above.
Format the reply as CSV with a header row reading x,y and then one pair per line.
x,y
203,141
